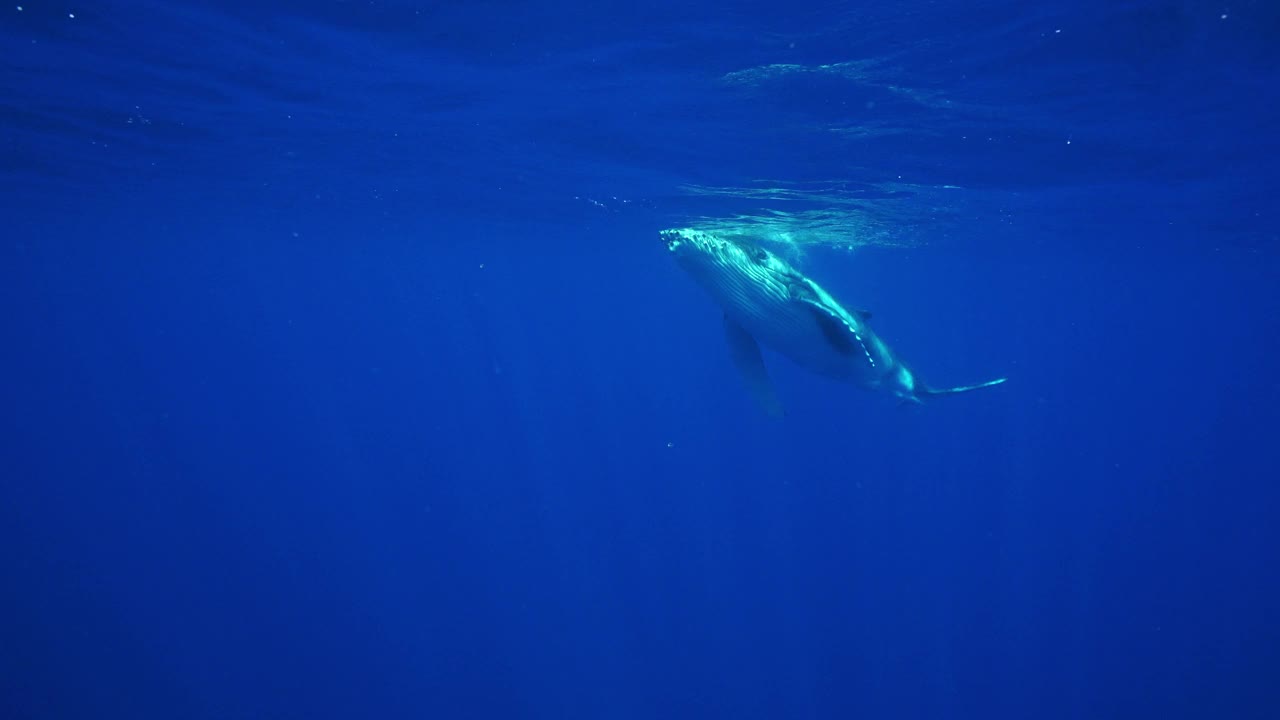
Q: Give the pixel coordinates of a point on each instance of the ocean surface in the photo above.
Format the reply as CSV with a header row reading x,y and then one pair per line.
x,y
344,374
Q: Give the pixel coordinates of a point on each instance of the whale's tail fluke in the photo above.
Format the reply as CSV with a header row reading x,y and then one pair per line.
x,y
925,392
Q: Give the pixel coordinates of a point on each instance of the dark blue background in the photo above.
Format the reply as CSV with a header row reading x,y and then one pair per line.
x,y
344,374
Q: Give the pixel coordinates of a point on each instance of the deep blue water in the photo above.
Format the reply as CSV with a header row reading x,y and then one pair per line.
x,y
344,374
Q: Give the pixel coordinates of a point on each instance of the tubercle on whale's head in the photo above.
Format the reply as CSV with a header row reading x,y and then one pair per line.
x,y
694,251
683,240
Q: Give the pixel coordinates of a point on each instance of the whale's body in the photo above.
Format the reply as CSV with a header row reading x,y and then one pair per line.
x,y
767,301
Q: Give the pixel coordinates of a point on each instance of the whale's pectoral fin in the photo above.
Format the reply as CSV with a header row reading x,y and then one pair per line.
x,y
746,357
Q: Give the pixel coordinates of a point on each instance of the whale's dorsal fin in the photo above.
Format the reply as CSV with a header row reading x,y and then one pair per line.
x,y
746,357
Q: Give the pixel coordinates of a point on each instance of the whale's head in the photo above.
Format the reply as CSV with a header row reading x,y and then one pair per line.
x,y
693,246
702,253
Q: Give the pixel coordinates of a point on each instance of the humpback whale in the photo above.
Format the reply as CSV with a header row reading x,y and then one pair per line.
x,y
768,302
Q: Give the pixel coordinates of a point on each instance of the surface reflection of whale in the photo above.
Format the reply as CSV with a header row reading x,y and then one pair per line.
x,y
767,301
